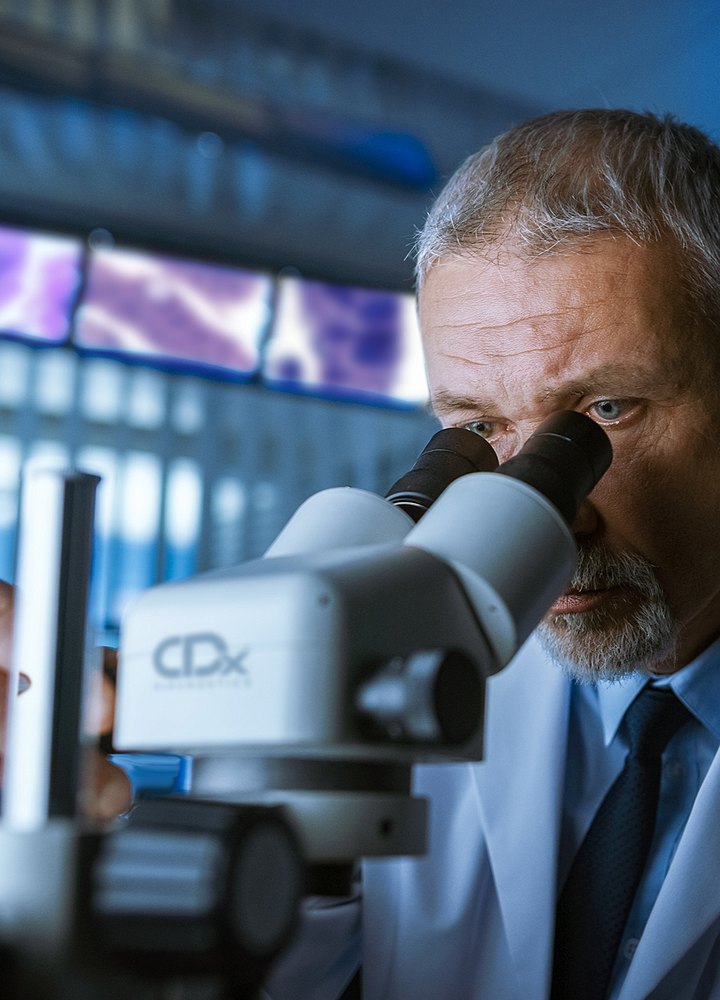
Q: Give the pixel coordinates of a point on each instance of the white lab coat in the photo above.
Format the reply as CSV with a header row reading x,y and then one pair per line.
x,y
473,919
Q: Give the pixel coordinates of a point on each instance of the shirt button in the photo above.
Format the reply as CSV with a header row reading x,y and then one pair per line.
x,y
630,947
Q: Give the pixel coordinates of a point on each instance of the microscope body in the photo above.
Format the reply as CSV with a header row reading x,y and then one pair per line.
x,y
317,679
272,655
296,652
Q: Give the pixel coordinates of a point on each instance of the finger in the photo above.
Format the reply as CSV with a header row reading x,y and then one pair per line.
x,y
3,716
7,606
105,789
100,710
109,669
7,602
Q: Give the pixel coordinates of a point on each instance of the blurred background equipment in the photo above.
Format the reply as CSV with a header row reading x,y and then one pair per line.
x,y
206,215
160,120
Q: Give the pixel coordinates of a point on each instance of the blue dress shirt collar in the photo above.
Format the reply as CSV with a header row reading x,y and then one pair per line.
x,y
697,685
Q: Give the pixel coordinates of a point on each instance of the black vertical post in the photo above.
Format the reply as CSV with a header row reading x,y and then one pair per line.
x,y
73,595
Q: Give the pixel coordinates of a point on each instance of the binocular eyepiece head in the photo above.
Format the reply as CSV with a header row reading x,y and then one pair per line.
x,y
563,460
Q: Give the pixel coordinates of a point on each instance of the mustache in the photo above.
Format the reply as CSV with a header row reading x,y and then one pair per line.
x,y
599,568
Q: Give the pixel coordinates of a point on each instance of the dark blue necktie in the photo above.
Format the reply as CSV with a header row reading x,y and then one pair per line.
x,y
595,903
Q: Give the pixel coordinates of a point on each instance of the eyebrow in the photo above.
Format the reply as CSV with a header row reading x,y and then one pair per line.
x,y
445,401
613,377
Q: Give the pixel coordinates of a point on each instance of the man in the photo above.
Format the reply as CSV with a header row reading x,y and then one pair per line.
x,y
575,264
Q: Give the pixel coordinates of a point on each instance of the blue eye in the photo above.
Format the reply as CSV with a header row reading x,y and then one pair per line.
x,y
609,409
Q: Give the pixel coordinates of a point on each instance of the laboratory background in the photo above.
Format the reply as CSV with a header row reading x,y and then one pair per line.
x,y
207,213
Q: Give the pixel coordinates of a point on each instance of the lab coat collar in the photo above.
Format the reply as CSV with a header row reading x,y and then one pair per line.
x,y
522,783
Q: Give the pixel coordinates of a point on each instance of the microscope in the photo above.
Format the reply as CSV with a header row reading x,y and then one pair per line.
x,y
304,687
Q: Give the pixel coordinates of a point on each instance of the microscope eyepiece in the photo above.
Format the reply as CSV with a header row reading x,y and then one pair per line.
x,y
563,460
449,454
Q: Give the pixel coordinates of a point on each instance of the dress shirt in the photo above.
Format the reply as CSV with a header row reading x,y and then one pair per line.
x,y
597,747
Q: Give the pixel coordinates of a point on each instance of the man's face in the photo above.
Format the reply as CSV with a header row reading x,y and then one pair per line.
x,y
602,330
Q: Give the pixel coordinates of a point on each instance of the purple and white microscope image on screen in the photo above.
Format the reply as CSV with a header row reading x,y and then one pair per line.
x,y
39,277
140,304
353,341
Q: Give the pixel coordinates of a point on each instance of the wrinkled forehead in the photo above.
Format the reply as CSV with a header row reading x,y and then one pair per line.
x,y
606,302
604,281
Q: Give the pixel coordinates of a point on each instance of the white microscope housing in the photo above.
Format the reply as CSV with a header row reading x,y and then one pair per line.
x,y
361,639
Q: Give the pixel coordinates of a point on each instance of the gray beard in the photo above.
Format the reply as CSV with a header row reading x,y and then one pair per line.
x,y
602,645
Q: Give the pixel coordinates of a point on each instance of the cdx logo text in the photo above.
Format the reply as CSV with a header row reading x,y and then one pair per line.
x,y
201,654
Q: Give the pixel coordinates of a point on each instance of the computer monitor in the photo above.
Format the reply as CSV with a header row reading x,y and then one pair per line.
x,y
346,342
174,312
39,279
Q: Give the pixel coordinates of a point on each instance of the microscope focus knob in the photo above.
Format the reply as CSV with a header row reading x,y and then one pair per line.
x,y
433,696
198,887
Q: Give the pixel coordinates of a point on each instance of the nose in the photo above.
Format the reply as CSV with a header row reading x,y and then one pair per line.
x,y
586,520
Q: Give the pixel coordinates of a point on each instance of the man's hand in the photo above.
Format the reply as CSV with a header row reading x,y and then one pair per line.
x,y
6,620
105,790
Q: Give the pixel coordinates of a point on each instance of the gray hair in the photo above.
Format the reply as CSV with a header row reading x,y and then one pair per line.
x,y
553,181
